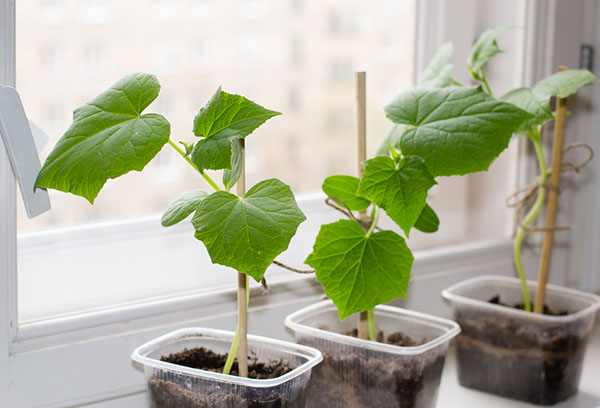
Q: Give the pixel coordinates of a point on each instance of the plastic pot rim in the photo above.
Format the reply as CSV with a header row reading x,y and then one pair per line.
x,y
450,327
312,356
593,300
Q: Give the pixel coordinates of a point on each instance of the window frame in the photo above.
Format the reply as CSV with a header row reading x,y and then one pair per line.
x,y
29,354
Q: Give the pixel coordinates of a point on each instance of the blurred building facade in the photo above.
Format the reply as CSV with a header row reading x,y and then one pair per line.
x,y
294,56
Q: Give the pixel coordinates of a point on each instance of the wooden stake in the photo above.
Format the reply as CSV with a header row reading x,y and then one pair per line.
x,y
361,116
557,149
242,285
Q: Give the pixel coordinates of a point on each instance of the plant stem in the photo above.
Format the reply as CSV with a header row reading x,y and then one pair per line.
x,y
485,82
187,159
232,351
530,217
375,221
372,328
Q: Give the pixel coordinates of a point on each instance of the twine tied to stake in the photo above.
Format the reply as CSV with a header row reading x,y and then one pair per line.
x,y
523,195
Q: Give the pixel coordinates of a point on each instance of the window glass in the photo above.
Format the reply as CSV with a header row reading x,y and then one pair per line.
x,y
296,57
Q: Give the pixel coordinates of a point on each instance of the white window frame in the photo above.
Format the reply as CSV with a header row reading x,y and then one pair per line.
x,y
40,364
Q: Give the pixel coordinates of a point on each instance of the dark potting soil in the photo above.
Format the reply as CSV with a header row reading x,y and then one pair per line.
x,y
510,358
521,306
395,339
208,360
172,391
364,380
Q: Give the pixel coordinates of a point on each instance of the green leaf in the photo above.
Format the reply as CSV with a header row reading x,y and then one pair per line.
x,y
536,100
400,189
565,83
392,138
438,73
485,48
455,130
532,102
231,176
108,138
248,233
344,188
428,220
183,206
225,118
360,272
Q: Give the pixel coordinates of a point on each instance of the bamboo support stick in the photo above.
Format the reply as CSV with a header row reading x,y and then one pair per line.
x,y
361,117
242,285
557,149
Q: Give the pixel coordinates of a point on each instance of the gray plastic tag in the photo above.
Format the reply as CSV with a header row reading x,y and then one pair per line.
x,y
22,153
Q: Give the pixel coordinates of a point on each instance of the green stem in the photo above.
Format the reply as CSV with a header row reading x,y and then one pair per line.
x,y
530,217
203,174
236,339
372,328
456,83
370,314
375,221
485,82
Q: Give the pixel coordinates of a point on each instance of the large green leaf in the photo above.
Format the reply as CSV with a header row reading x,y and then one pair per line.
x,y
456,131
225,118
182,207
109,137
360,272
565,83
485,48
533,102
438,73
399,189
428,221
248,233
536,100
345,188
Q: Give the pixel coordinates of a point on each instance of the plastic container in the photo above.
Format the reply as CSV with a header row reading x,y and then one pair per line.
x,y
361,373
174,386
530,357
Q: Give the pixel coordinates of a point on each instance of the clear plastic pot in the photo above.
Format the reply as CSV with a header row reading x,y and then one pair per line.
x,y
174,386
526,356
361,373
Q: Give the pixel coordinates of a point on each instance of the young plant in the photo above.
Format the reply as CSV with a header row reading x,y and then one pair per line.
x,y
110,136
535,101
438,131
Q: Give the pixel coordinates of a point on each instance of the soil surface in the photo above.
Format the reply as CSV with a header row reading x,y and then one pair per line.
x,y
396,339
360,378
547,311
169,390
208,360
529,361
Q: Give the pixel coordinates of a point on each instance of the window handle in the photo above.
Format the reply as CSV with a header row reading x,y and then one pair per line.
x,y
22,153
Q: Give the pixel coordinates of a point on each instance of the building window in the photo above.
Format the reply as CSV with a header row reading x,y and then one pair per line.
x,y
166,10
343,23
94,11
52,11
